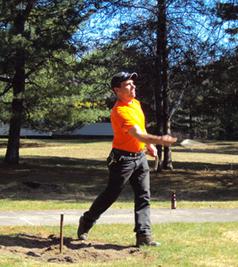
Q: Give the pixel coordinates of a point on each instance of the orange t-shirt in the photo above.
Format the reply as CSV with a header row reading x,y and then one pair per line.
x,y
123,117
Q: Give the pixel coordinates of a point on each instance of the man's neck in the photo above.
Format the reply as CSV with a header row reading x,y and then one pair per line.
x,y
125,101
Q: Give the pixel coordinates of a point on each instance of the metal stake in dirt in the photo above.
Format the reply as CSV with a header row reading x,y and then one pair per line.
x,y
61,232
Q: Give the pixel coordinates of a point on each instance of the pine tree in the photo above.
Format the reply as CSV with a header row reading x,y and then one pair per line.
x,y
31,32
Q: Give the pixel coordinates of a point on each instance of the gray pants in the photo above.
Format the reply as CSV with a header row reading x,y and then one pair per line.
x,y
123,167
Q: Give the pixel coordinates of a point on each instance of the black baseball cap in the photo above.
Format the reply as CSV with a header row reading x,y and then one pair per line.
x,y
121,77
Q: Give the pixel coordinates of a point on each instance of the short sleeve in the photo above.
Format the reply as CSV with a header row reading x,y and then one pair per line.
x,y
126,119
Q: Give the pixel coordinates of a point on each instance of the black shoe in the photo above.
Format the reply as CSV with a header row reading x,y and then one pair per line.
x,y
145,240
83,229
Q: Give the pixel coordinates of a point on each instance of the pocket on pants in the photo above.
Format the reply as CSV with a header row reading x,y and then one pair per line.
x,y
112,159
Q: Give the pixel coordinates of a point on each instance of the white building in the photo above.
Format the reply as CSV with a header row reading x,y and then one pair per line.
x,y
94,129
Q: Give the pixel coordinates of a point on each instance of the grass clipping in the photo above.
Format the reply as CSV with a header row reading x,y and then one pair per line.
x,y
46,249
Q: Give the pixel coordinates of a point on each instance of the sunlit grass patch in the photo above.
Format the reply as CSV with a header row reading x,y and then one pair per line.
x,y
182,244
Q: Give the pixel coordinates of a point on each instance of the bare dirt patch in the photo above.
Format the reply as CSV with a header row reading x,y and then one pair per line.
x,y
46,249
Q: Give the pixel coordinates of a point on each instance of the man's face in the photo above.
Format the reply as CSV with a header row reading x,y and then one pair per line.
x,y
126,91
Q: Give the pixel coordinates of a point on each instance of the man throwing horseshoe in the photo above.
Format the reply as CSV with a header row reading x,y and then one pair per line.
x,y
127,161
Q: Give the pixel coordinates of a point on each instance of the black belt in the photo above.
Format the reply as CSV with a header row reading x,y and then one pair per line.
x,y
127,153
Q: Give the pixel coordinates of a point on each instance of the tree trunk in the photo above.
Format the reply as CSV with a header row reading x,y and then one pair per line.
x,y
12,154
167,163
158,89
162,74
18,84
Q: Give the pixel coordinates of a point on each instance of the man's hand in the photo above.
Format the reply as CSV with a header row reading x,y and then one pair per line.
x,y
152,150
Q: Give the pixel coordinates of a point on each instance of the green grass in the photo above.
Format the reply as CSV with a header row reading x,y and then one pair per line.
x,y
71,173
18,205
182,244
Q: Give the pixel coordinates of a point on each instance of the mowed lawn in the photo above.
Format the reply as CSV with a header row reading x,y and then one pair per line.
x,y
182,245
70,173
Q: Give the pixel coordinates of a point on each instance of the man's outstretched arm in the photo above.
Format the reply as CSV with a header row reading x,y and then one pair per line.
x,y
164,140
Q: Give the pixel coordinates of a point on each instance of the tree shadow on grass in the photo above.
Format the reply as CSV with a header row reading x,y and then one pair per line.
x,y
54,169
71,179
53,178
196,181
202,166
